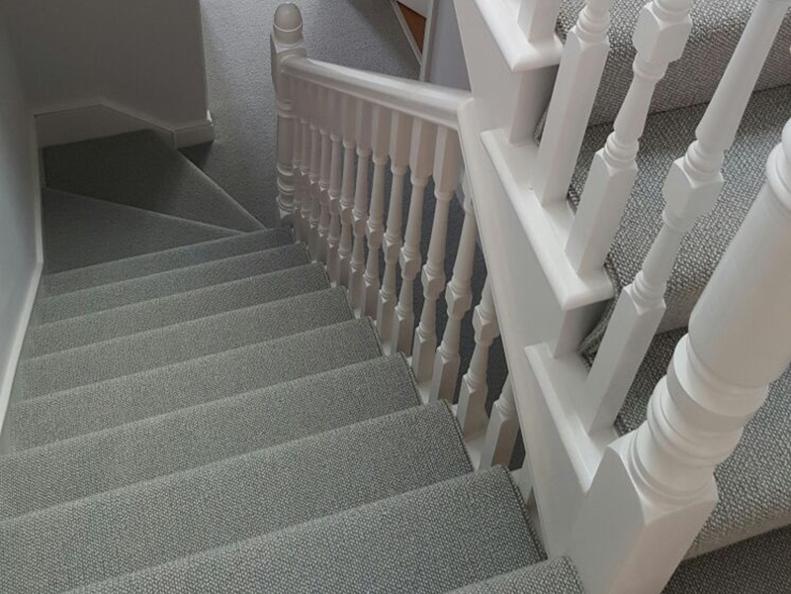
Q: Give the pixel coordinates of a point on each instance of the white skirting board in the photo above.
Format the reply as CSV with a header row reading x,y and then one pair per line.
x,y
100,118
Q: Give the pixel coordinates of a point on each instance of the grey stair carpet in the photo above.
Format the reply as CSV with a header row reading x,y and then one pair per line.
x,y
666,139
166,311
162,261
160,347
80,231
163,284
554,576
96,462
157,391
139,169
693,79
755,482
434,539
153,522
759,565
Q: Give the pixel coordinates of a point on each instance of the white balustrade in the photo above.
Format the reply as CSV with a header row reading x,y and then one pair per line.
x,y
691,189
471,410
400,135
360,211
577,82
660,37
447,168
348,106
421,162
296,162
323,111
334,236
537,18
458,296
501,432
655,487
380,133
315,174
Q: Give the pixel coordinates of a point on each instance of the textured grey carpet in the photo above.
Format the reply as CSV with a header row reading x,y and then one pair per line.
x,y
161,261
692,80
231,500
167,311
667,137
110,231
755,482
171,282
157,391
429,540
160,347
186,438
357,33
139,169
555,575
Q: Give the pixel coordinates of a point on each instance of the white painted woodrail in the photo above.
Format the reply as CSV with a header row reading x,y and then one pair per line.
x,y
655,487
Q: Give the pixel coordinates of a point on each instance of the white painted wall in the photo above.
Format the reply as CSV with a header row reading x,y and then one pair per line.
x,y
20,249
144,58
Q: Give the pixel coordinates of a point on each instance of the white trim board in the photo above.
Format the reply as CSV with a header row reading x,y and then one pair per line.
x,y
100,117
407,32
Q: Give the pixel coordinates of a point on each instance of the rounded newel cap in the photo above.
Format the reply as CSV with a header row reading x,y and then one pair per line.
x,y
288,23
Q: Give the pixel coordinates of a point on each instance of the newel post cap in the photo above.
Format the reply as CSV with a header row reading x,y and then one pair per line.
x,y
288,24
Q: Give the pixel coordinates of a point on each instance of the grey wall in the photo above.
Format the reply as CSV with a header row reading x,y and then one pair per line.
x,y
445,60
19,252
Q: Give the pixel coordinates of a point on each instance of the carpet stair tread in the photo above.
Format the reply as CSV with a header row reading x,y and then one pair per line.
x,y
555,576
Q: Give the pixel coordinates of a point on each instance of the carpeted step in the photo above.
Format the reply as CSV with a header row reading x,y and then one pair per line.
x,y
181,280
157,391
80,231
71,469
160,347
434,539
666,139
153,522
556,576
166,311
717,27
162,261
139,169
755,482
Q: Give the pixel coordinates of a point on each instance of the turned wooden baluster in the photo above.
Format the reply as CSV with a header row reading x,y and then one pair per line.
x,y
315,173
299,180
655,487
458,296
360,211
380,132
306,203
421,162
577,82
348,106
471,410
400,133
334,236
660,37
285,41
447,168
537,18
502,430
691,189
324,115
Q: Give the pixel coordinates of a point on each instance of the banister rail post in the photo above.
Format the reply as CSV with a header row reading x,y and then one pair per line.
x,y
537,18
655,487
285,40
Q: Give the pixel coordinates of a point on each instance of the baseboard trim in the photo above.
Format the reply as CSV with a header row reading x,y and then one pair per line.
x,y
100,117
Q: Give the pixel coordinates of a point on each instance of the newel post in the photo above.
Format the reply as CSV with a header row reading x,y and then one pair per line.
x,y
655,488
285,41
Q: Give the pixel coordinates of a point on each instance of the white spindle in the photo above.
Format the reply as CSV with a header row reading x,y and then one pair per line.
x,y
447,167
375,229
324,173
347,188
421,162
306,203
501,432
691,189
299,181
577,82
400,132
655,487
360,211
661,34
334,236
458,296
537,18
471,411
286,40
315,173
